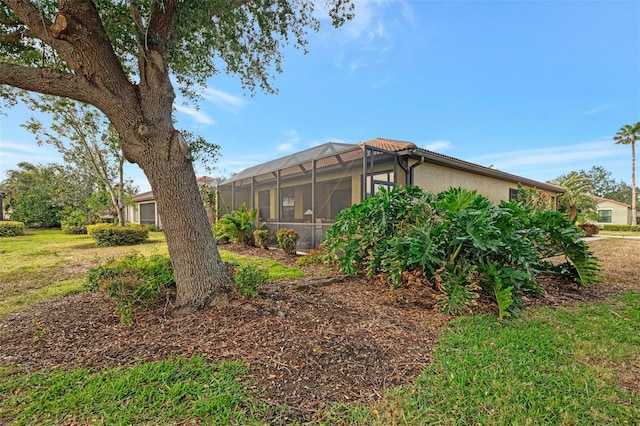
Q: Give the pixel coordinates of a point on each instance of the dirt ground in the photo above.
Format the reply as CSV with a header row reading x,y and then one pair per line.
x,y
322,339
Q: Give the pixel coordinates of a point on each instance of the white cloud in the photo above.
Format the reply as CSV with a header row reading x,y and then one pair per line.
x,y
372,30
199,116
438,145
284,147
597,109
224,100
7,145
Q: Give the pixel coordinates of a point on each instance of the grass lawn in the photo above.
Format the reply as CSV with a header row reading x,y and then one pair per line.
x,y
573,365
44,264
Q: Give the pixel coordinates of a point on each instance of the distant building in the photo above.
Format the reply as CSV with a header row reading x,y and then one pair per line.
x,y
145,211
612,212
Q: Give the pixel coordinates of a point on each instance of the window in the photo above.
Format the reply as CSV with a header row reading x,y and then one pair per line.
x,y
513,193
384,179
604,216
288,205
148,214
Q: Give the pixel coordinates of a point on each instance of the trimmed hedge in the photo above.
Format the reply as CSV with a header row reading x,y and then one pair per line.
x,y
109,234
627,228
11,228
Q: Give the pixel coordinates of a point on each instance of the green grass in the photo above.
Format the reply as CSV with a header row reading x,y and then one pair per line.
x,y
618,233
277,271
552,366
42,265
166,392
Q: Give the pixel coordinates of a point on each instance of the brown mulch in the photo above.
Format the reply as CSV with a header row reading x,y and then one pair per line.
x,y
326,338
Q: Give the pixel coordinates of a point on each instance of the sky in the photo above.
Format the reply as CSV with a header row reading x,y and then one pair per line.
x,y
533,88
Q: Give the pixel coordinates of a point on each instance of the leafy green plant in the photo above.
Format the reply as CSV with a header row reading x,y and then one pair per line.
x,y
108,234
10,228
237,226
287,239
459,285
262,237
460,240
249,280
75,222
133,281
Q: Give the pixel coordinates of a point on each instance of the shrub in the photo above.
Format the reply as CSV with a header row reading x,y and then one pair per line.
x,y
287,239
624,228
237,226
153,228
107,234
460,242
249,280
75,223
134,282
261,237
589,229
11,228
314,257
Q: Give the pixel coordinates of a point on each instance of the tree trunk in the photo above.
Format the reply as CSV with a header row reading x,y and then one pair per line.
x,y
634,195
201,277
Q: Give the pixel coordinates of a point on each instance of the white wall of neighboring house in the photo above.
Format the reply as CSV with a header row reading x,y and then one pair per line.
x,y
611,212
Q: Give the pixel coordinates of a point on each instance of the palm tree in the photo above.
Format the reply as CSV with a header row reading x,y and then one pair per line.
x,y
628,135
578,198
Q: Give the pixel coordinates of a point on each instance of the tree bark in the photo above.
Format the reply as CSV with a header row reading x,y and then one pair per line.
x,y
634,195
199,272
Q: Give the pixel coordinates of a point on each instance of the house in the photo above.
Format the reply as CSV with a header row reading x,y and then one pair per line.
x,y
306,190
145,211
612,212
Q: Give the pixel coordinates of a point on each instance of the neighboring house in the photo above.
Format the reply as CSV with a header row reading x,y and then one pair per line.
x,y
306,190
612,212
145,211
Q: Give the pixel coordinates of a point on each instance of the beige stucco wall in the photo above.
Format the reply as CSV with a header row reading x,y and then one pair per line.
x,y
435,178
620,215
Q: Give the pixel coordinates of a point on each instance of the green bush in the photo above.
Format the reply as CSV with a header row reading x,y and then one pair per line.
x,y
108,234
287,239
623,228
314,257
237,226
11,228
463,245
249,280
262,237
75,223
134,282
589,229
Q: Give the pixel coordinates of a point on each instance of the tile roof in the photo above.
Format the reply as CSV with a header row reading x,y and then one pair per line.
x,y
389,144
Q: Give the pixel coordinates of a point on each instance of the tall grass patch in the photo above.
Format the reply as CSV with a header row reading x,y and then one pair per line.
x,y
167,392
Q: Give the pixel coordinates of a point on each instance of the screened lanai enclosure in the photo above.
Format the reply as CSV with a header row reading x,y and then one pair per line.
x,y
306,190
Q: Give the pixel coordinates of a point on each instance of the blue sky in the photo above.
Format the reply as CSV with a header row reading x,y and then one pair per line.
x,y
534,88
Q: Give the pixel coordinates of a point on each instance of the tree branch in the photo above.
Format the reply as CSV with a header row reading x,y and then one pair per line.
x,y
48,82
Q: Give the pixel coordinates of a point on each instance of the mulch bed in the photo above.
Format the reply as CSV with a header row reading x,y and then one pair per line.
x,y
323,339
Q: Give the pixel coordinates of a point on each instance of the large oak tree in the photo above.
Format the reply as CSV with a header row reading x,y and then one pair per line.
x,y
119,56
